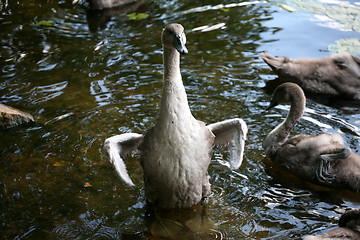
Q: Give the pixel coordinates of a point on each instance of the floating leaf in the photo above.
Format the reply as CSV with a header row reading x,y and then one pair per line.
x,y
82,131
225,9
356,25
311,6
137,16
47,23
350,45
287,8
87,184
58,164
340,15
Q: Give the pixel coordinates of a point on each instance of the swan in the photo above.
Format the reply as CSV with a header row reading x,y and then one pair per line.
x,y
349,228
337,76
321,159
175,153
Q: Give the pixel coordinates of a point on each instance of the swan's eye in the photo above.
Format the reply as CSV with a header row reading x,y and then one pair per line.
x,y
169,31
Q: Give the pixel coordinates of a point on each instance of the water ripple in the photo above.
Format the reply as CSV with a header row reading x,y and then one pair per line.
x,y
45,93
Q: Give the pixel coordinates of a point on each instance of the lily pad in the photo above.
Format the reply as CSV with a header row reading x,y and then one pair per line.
x,y
344,15
311,6
356,25
47,23
137,16
350,45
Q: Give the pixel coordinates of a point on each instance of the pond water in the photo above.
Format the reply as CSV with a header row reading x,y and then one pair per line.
x,y
86,76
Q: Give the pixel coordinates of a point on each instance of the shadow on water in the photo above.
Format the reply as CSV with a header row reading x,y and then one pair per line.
x,y
82,87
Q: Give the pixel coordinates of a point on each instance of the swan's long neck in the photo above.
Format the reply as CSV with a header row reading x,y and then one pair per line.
x,y
174,104
278,136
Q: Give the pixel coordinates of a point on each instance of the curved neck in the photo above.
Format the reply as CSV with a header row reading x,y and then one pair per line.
x,y
278,136
174,103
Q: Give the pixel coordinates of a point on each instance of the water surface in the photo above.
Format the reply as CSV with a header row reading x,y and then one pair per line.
x,y
85,79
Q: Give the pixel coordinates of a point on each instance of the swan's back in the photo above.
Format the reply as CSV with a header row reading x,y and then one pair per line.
x,y
336,76
300,154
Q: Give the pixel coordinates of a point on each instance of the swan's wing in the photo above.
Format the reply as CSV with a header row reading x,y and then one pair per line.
x,y
120,146
231,133
323,165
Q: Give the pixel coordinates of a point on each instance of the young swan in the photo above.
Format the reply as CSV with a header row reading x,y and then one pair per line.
x,y
176,152
349,228
321,159
337,76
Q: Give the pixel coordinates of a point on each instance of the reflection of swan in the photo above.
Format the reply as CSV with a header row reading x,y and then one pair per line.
x,y
189,223
101,4
335,76
176,152
98,16
349,228
321,159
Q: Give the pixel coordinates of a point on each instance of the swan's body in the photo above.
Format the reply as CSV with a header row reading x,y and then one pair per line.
x,y
321,159
176,152
337,76
349,228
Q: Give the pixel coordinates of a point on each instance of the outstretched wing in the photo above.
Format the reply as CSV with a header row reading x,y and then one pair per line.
x,y
120,146
231,133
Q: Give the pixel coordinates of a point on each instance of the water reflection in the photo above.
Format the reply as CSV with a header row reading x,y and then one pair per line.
x,y
182,224
46,93
98,18
110,82
85,228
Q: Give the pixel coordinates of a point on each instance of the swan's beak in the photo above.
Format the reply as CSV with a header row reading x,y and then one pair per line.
x,y
179,44
272,104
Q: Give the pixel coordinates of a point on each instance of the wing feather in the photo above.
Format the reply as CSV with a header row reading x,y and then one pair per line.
x,y
231,133
120,146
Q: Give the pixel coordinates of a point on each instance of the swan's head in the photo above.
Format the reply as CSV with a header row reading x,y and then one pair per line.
x,y
286,93
173,36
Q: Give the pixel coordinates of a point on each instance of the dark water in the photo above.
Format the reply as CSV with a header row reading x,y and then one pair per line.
x,y
83,86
